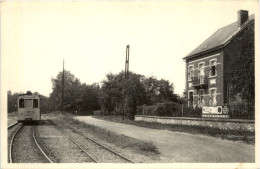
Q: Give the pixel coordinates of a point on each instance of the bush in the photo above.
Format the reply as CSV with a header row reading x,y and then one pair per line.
x,y
169,109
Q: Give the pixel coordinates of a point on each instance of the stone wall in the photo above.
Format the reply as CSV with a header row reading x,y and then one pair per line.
x,y
226,124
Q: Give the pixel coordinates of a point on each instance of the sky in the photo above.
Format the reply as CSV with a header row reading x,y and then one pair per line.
x,y
92,36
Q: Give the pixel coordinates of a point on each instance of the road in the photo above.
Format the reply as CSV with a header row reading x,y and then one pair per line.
x,y
182,147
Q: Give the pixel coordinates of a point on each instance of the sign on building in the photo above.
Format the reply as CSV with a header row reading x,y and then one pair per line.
x,y
215,111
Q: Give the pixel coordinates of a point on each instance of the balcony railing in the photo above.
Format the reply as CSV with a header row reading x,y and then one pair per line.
x,y
200,81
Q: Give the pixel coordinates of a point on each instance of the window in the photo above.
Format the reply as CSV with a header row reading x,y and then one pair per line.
x,y
190,99
28,103
201,73
213,70
21,103
35,103
213,95
201,98
190,73
201,69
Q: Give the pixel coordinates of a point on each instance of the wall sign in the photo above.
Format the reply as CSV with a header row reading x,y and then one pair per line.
x,y
212,110
215,111
225,109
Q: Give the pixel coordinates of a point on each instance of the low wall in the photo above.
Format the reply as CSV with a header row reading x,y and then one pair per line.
x,y
226,124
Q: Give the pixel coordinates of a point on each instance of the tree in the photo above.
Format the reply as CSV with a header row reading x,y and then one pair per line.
x,y
134,94
44,104
12,101
77,97
111,95
71,85
120,94
159,91
89,98
243,66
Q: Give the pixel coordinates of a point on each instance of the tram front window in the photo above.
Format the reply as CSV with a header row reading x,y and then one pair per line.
x,y
21,103
35,103
28,103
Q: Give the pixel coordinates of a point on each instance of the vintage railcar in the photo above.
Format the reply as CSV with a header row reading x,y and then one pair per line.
x,y
28,107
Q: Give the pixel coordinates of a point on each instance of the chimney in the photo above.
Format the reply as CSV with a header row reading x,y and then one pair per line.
x,y
242,17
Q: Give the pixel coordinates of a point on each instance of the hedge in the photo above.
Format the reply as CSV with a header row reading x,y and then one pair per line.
x,y
169,109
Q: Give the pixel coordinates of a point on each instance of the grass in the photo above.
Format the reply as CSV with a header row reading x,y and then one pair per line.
x,y
13,114
108,136
234,135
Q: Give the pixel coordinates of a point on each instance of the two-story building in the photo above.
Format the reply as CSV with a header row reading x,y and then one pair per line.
x,y
208,67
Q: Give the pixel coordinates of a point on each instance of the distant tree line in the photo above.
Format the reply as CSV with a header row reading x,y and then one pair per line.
x,y
12,101
120,95
116,94
78,97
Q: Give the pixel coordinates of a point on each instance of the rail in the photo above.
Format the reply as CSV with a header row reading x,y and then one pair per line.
x,y
76,144
39,147
11,144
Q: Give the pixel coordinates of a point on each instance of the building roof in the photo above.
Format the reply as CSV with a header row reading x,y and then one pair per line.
x,y
219,38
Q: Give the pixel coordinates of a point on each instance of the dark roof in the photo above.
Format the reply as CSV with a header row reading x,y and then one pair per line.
x,y
219,38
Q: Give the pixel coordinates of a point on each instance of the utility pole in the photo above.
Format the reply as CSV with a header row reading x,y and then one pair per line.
x,y
127,61
62,90
126,76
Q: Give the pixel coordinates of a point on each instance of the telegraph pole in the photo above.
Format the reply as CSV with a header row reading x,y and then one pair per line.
x,y
62,90
127,61
126,76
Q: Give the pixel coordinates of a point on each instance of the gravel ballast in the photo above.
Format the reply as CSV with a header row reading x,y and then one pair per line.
x,y
11,132
58,146
100,154
24,148
131,152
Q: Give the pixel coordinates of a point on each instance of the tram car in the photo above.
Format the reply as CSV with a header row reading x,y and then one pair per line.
x,y
28,108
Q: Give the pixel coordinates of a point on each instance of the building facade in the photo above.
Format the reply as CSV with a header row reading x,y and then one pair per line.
x,y
208,68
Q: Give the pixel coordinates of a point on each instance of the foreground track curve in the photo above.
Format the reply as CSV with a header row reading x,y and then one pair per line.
x,y
24,148
12,141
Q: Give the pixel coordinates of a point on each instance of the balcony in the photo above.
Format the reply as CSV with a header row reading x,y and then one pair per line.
x,y
200,82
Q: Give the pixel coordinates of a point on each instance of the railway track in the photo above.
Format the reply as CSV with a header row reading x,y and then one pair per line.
x,y
77,144
27,146
39,147
61,147
33,152
105,148
12,125
12,141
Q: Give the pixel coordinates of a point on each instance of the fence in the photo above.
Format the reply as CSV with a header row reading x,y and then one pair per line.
x,y
242,111
170,109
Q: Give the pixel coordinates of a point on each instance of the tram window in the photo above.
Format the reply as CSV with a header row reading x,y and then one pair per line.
x,y
35,103
28,103
21,103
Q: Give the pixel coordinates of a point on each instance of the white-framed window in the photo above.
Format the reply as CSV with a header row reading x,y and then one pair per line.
x,y
190,72
213,67
201,72
190,98
213,97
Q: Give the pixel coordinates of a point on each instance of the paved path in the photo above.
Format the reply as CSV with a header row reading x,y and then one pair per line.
x,y
182,147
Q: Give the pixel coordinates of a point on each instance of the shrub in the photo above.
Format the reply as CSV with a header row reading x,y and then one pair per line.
x,y
169,109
